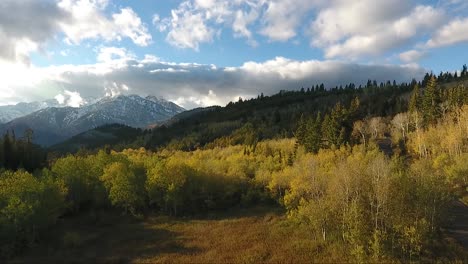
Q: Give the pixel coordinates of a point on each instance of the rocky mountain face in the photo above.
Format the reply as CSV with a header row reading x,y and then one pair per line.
x,y
52,125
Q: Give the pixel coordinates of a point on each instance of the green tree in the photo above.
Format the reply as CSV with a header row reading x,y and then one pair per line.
x,y
332,128
313,135
167,183
81,179
28,207
413,105
301,130
125,185
430,102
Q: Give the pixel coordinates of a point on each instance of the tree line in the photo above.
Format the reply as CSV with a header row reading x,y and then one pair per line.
x,y
21,153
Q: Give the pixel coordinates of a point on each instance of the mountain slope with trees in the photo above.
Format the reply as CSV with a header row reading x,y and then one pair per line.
x,y
54,125
377,183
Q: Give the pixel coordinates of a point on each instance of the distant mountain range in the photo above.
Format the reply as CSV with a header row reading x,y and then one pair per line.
x,y
10,112
53,124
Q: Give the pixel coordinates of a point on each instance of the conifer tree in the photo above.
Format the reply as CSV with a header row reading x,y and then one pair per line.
x,y
301,131
413,105
9,155
313,137
332,126
430,102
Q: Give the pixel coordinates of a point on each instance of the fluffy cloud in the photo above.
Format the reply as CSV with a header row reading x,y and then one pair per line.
x,y
188,25
412,56
113,54
342,29
452,33
382,26
23,31
69,98
188,29
193,85
89,22
241,23
282,17
196,22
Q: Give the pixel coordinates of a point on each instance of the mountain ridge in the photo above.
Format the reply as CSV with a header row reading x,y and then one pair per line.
x,y
55,124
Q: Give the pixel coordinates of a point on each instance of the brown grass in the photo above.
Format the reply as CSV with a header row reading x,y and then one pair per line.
x,y
259,235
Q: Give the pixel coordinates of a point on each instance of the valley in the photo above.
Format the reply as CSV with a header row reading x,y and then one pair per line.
x,y
216,131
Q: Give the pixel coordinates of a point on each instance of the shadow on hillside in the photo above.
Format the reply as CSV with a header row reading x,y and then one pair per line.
x,y
459,224
109,237
112,240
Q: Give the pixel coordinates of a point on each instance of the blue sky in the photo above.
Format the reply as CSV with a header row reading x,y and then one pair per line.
x,y
204,52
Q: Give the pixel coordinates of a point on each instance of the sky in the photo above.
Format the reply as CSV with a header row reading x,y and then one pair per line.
x,y
208,52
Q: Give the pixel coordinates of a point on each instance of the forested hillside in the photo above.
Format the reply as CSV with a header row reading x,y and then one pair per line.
x,y
278,116
367,174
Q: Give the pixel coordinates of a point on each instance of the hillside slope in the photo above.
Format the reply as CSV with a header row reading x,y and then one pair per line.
x,y
53,125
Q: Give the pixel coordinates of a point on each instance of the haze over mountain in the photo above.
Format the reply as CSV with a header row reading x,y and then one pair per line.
x,y
54,124
10,112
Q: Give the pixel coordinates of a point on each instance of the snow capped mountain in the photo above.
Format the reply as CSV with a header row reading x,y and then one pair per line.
x,y
54,124
10,112
168,106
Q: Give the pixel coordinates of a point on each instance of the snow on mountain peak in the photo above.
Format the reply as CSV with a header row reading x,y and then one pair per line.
x,y
130,110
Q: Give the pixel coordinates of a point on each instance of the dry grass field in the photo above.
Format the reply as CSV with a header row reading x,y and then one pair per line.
x,y
239,236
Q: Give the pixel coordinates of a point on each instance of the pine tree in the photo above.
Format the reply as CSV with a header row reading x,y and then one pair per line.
x,y
8,152
322,87
413,105
332,126
300,131
430,102
313,137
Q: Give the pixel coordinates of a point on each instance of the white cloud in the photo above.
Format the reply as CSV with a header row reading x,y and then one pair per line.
x,y
13,81
111,54
411,56
196,22
452,33
190,84
65,53
89,22
381,26
130,25
113,89
342,29
60,98
188,29
205,3
202,100
69,98
156,19
170,69
241,23
282,17
23,31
